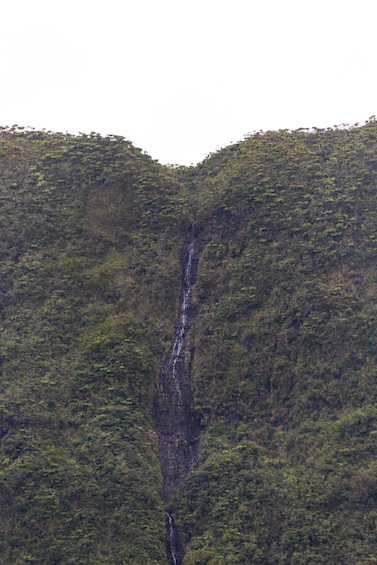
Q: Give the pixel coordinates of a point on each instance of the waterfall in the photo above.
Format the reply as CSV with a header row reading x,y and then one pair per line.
x,y
183,319
172,546
177,429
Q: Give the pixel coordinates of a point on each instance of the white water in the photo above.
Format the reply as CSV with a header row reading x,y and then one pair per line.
x,y
175,449
180,335
172,543
192,463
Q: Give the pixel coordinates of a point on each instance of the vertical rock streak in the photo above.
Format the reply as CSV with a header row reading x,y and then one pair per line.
x,y
178,432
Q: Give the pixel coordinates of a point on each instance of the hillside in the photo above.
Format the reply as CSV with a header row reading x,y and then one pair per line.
x,y
278,358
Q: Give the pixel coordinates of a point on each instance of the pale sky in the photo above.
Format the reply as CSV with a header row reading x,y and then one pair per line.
x,y
183,78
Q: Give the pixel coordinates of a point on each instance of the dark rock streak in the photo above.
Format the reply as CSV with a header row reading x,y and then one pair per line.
x,y
178,432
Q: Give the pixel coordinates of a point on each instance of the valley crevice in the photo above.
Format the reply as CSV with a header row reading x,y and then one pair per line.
x,y
177,429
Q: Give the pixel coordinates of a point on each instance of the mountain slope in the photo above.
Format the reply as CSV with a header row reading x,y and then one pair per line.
x,y
281,349
88,280
285,365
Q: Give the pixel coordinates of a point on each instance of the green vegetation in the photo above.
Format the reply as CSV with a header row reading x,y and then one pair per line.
x,y
284,372
88,288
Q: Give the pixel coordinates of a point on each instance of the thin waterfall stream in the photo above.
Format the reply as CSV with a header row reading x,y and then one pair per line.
x,y
178,431
172,541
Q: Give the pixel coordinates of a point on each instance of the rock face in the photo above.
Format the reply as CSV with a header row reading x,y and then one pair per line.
x,y
178,432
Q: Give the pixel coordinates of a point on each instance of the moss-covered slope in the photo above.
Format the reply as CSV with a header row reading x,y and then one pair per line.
x,y
89,282
284,369
285,363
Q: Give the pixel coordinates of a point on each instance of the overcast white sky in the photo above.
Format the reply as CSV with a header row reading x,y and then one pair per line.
x,y
182,78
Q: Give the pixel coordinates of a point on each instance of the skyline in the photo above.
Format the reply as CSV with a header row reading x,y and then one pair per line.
x,y
181,80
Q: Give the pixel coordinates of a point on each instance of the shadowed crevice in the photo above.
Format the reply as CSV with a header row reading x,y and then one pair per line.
x,y
177,429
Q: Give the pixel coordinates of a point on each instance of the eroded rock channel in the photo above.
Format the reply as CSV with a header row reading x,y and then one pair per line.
x,y
177,429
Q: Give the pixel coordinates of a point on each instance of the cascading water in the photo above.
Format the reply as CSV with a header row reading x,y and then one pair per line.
x,y
178,432
183,319
172,544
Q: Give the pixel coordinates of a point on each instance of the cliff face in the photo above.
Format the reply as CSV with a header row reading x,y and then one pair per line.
x,y
178,430
223,373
